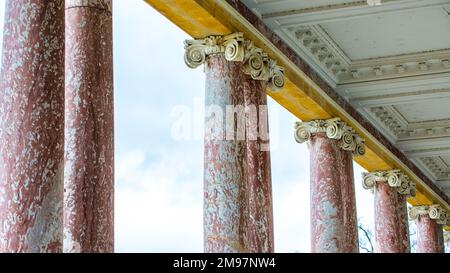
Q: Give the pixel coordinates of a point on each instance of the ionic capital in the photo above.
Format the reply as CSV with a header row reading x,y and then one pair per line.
x,y
236,48
334,129
433,211
395,178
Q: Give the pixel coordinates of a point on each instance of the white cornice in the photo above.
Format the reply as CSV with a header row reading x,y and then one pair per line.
x,y
397,67
399,98
315,43
441,151
395,86
389,118
340,12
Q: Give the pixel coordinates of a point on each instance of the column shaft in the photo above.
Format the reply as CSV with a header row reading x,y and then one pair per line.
x,y
327,216
260,221
428,235
351,241
89,130
387,233
403,224
32,127
225,186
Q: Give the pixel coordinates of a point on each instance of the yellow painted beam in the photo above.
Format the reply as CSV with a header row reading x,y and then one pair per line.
x,y
301,95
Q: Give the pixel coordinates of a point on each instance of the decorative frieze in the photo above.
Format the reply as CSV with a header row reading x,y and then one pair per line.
x,y
236,48
334,129
433,211
313,41
395,178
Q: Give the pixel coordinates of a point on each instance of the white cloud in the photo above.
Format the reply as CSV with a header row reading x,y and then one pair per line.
x,y
157,208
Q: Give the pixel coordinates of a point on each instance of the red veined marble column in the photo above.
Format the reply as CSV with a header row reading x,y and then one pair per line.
x,y
260,224
351,241
402,210
333,208
390,190
32,127
237,182
89,130
225,182
429,220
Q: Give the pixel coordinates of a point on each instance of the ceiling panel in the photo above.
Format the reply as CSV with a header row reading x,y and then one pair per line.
x,y
392,34
430,110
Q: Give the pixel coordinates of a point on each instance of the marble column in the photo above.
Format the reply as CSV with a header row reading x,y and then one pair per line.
x,y
333,208
390,189
351,240
260,224
225,185
32,127
402,210
237,182
429,221
89,130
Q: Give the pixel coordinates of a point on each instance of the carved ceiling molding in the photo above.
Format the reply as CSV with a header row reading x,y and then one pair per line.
x,y
398,66
399,127
313,40
390,119
319,46
334,129
437,166
236,48
395,178
411,138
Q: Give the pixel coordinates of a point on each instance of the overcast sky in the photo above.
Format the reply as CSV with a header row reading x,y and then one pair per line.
x,y
158,195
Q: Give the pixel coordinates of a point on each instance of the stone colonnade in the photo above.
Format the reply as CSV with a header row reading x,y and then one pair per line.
x,y
56,127
57,144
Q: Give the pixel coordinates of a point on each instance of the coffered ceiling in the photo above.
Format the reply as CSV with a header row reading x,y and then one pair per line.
x,y
390,61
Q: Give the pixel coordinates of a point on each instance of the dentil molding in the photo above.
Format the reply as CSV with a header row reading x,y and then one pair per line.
x,y
236,48
334,129
314,41
395,178
433,211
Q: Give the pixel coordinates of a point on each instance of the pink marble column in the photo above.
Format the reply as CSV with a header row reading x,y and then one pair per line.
x,y
429,235
387,233
327,206
351,241
89,130
391,189
260,221
225,181
403,224
332,144
32,127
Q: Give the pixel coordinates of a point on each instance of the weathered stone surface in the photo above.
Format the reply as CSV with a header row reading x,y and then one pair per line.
x,y
260,221
403,225
225,182
328,233
388,237
429,235
351,240
32,127
89,130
